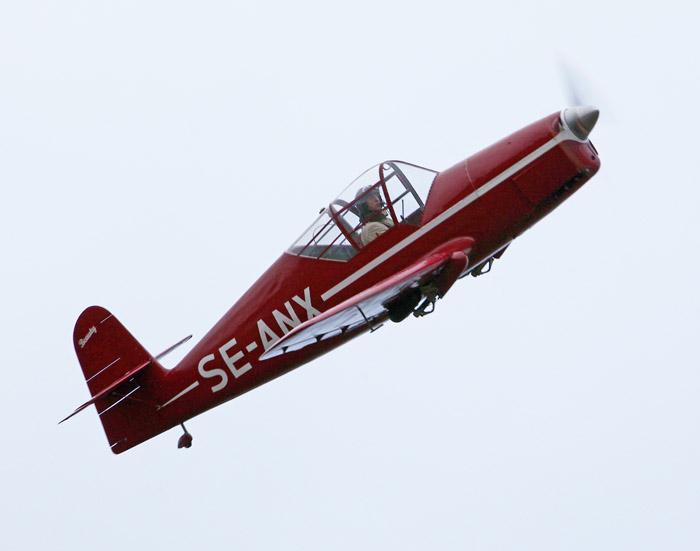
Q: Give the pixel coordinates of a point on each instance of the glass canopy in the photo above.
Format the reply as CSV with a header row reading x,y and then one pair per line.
x,y
386,195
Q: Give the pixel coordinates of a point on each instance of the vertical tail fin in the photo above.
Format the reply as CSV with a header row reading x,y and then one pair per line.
x,y
122,378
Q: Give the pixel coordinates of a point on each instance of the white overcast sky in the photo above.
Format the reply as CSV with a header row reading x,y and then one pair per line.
x,y
156,157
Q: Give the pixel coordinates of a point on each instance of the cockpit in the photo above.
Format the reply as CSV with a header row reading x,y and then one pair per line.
x,y
381,198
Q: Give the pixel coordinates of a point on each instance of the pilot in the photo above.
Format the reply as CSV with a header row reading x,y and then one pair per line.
x,y
374,220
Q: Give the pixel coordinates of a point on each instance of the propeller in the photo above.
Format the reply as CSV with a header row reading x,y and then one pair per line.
x,y
573,87
581,116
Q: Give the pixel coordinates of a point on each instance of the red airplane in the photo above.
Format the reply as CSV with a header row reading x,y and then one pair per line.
x,y
390,245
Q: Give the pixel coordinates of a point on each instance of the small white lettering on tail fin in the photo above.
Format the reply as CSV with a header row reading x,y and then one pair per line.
x,y
82,342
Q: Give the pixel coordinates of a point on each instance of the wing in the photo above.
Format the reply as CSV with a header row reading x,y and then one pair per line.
x,y
395,296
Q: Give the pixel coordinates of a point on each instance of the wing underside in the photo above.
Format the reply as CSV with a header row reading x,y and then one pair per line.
x,y
430,277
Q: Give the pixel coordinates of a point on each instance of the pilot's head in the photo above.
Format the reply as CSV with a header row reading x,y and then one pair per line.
x,y
369,203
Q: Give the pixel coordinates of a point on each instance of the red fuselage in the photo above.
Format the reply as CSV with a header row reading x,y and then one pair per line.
x,y
493,196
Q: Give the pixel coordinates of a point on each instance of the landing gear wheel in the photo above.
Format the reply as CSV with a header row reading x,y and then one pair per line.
x,y
401,306
185,441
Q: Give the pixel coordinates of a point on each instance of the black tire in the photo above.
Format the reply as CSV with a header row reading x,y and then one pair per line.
x,y
403,305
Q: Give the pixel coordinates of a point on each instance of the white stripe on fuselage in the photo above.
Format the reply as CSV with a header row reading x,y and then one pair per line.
x,y
563,135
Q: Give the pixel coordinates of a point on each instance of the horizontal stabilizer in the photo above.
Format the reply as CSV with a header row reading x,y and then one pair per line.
x,y
113,387
173,347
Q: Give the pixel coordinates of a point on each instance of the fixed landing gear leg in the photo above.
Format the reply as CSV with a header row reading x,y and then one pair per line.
x,y
422,310
483,268
426,307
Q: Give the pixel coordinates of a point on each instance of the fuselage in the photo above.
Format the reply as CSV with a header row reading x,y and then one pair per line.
x,y
492,196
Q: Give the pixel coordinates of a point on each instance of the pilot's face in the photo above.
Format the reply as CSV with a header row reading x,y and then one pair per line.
x,y
373,203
